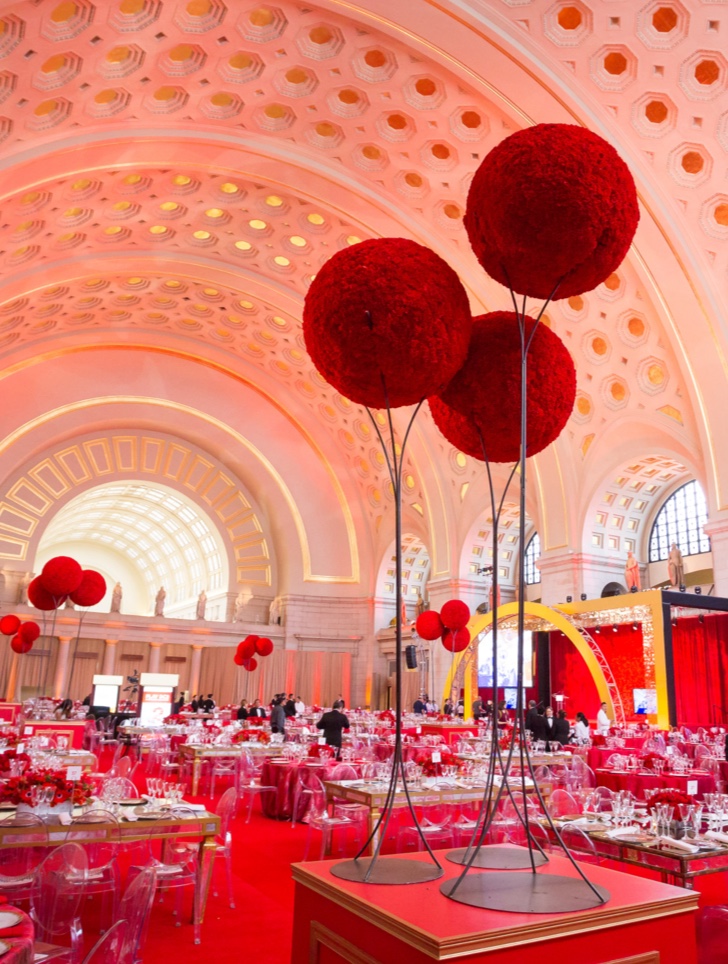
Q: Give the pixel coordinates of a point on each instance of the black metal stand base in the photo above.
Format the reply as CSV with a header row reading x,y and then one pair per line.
x,y
526,893
388,870
493,857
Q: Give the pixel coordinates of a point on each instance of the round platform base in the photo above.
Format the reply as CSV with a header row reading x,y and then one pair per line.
x,y
526,893
388,870
493,857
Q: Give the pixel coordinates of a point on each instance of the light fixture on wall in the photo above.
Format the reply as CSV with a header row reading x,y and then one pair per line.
x,y
583,597
569,598
698,590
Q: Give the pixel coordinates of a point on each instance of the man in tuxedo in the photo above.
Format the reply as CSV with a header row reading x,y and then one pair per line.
x,y
333,724
550,726
289,707
256,710
540,727
531,714
419,705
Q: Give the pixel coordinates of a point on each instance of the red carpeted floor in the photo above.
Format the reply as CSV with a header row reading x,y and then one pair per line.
x,y
260,926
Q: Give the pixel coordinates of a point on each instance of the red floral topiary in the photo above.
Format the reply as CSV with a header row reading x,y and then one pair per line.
x,y
429,625
9,625
387,307
459,430
238,659
39,597
246,647
91,589
455,614
551,203
263,646
456,640
487,389
29,631
61,576
20,645
250,664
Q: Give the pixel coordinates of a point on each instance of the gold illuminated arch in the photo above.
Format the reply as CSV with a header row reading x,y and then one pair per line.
x,y
479,623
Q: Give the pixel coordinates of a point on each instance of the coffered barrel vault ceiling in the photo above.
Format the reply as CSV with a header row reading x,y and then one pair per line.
x,y
174,174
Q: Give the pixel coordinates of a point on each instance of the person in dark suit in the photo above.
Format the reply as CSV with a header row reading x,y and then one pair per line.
x,y
257,711
195,705
540,731
550,722
242,713
478,708
531,714
333,724
419,705
562,729
289,707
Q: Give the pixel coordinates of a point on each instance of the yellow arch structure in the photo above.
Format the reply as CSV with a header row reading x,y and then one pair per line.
x,y
479,623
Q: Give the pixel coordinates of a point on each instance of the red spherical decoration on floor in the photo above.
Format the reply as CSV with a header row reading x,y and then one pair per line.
x,y
487,389
29,631
387,308
39,597
91,590
455,614
429,625
61,576
20,645
250,664
9,625
552,203
246,647
263,646
456,640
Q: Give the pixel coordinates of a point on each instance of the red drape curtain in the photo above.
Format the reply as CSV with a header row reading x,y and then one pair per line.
x,y
622,648
700,660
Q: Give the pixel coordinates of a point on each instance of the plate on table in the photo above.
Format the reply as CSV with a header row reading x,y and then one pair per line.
x,y
9,918
145,814
129,802
633,837
8,806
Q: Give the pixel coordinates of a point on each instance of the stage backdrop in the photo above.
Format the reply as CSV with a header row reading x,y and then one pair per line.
x,y
700,659
569,674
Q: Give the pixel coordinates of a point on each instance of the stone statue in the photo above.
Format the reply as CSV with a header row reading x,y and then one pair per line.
x,y
274,614
675,567
632,572
116,595
239,612
420,604
23,588
68,603
201,604
159,602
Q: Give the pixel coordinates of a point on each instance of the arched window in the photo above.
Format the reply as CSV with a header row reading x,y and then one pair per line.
x,y
681,521
533,552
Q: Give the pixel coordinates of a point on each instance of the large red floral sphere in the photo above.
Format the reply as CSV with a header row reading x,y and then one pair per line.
x,y
487,389
238,659
29,631
458,429
429,625
61,576
250,664
91,590
20,645
456,640
455,614
263,646
552,204
246,647
39,597
9,625
387,309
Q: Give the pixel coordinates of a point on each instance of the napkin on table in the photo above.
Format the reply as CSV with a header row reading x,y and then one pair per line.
x,y
618,831
671,843
717,835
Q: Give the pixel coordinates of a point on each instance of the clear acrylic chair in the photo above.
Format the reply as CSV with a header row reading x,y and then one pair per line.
x,y
224,768
435,825
579,844
224,842
134,910
712,932
562,804
98,833
320,820
307,781
249,785
108,949
19,859
55,898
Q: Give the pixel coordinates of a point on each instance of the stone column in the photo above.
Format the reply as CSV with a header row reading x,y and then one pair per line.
x,y
195,669
155,655
12,690
717,530
60,682
109,657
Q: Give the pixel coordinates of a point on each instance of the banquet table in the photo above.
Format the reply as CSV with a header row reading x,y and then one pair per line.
x,y
641,783
598,756
199,752
283,775
451,732
17,938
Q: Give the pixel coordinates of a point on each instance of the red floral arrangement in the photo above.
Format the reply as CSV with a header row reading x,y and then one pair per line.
x,y
674,797
387,309
387,717
18,789
12,756
504,741
552,204
432,769
251,736
648,760
486,392
316,750
175,718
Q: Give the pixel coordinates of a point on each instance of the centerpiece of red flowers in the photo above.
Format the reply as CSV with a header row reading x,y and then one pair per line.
x,y
673,797
429,767
19,790
649,759
12,756
251,736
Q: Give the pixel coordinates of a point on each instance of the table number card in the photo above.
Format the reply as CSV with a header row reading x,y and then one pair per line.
x,y
692,788
418,730
73,773
27,731
436,756
322,741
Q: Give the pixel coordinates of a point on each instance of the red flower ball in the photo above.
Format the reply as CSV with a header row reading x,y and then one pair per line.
x,y
552,204
456,640
20,645
9,625
457,429
91,590
39,597
238,659
487,389
246,647
429,625
250,664
29,631
455,614
61,576
263,646
387,308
